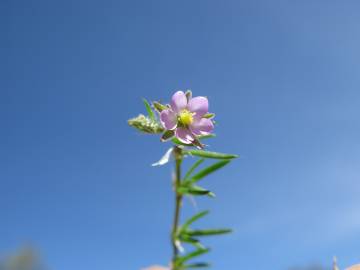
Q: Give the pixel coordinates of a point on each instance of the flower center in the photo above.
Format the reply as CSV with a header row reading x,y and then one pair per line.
x,y
186,117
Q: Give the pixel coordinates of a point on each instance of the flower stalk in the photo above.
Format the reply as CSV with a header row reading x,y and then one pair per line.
x,y
178,156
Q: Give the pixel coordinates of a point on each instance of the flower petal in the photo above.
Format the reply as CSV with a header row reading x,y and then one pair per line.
x,y
198,105
202,126
178,101
184,135
164,159
168,119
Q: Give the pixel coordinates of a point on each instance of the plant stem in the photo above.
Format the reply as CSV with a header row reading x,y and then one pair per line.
x,y
178,199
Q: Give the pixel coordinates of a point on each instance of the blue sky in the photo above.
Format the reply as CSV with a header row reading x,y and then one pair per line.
x,y
282,77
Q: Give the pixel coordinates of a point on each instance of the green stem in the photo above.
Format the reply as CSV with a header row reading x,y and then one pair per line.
x,y
178,199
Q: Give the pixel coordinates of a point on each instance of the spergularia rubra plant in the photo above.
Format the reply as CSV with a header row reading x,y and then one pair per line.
x,y
185,122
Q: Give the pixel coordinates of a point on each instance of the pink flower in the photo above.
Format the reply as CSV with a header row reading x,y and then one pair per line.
x,y
186,117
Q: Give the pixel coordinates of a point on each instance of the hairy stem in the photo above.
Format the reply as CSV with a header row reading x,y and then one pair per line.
x,y
178,200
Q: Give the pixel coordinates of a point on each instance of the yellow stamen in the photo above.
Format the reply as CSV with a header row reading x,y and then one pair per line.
x,y
186,117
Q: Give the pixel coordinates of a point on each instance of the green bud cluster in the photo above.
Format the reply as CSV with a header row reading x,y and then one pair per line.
x,y
146,125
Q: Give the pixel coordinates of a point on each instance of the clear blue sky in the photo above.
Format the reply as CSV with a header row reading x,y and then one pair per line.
x,y
282,77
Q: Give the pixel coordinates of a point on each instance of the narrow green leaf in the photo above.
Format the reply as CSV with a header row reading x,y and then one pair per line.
x,y
195,190
191,255
208,232
188,239
193,168
193,219
195,242
208,170
208,154
149,110
197,265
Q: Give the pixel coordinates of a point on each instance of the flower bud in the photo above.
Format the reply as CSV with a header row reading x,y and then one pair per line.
x,y
188,95
145,124
159,107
